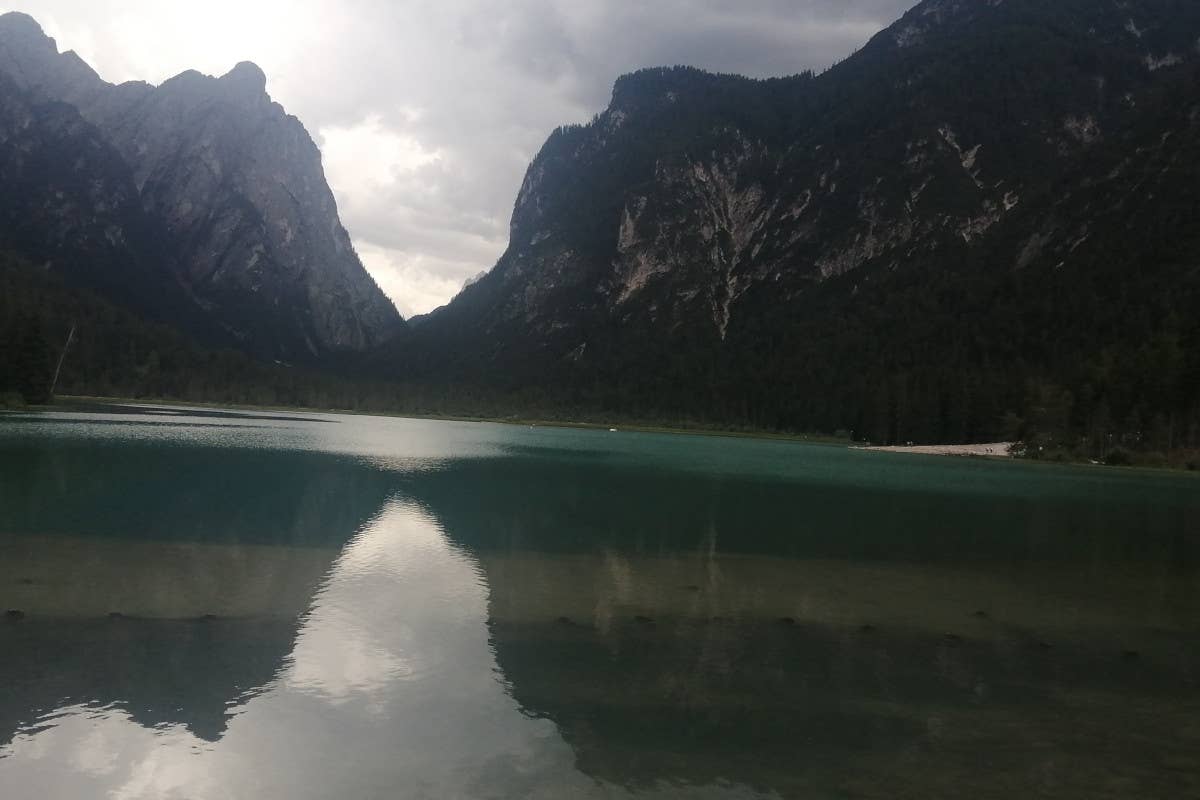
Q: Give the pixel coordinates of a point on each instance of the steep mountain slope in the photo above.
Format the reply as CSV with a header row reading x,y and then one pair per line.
x,y
202,180
992,203
70,202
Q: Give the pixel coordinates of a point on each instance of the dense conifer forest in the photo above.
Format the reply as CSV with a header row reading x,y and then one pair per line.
x,y
1132,402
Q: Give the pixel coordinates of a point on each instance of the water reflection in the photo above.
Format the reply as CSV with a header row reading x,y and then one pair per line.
x,y
391,689
388,609
389,666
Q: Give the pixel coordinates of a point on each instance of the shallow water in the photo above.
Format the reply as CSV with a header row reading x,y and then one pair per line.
x,y
228,605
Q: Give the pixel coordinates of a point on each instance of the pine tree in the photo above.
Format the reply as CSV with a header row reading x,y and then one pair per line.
x,y
32,367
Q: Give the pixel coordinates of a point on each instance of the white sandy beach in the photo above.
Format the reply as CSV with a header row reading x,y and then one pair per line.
x,y
994,449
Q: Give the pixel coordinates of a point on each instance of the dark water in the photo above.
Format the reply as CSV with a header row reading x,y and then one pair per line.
x,y
218,605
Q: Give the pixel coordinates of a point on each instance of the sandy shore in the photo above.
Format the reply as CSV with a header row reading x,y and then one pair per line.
x,y
994,449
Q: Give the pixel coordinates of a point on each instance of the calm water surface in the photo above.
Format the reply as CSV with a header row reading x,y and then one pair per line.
x,y
226,605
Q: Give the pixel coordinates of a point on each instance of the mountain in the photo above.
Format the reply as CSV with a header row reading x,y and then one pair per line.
x,y
114,352
981,223
200,202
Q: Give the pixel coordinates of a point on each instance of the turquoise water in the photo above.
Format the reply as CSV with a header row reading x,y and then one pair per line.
x,y
227,605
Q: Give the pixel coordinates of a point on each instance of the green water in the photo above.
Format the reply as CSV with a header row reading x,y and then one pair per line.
x,y
227,605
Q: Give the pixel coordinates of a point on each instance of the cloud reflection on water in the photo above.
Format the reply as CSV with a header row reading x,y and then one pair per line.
x,y
391,689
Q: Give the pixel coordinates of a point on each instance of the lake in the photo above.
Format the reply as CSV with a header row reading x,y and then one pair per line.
x,y
206,604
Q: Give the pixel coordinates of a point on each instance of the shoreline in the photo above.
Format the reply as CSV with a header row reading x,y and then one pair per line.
x,y
994,450
68,403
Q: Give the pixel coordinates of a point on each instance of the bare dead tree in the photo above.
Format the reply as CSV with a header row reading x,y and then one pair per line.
x,y
61,357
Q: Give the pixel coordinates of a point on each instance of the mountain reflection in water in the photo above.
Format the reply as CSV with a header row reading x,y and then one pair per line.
x,y
396,632
389,608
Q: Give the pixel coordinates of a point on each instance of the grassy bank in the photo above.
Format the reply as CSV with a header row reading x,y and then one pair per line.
x,y
1178,459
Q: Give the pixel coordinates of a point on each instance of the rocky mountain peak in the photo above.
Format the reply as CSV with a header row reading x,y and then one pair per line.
x,y
31,59
661,88
15,26
26,52
247,79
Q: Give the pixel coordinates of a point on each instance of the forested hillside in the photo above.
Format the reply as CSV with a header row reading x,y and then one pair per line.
x,y
982,225
115,353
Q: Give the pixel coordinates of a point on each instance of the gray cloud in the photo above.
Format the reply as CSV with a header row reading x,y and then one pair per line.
x,y
429,111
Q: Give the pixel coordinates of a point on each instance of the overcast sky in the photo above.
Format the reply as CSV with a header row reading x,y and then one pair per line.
x,y
428,111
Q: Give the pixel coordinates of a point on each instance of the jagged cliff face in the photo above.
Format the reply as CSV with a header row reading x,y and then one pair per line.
x,y
230,197
717,236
